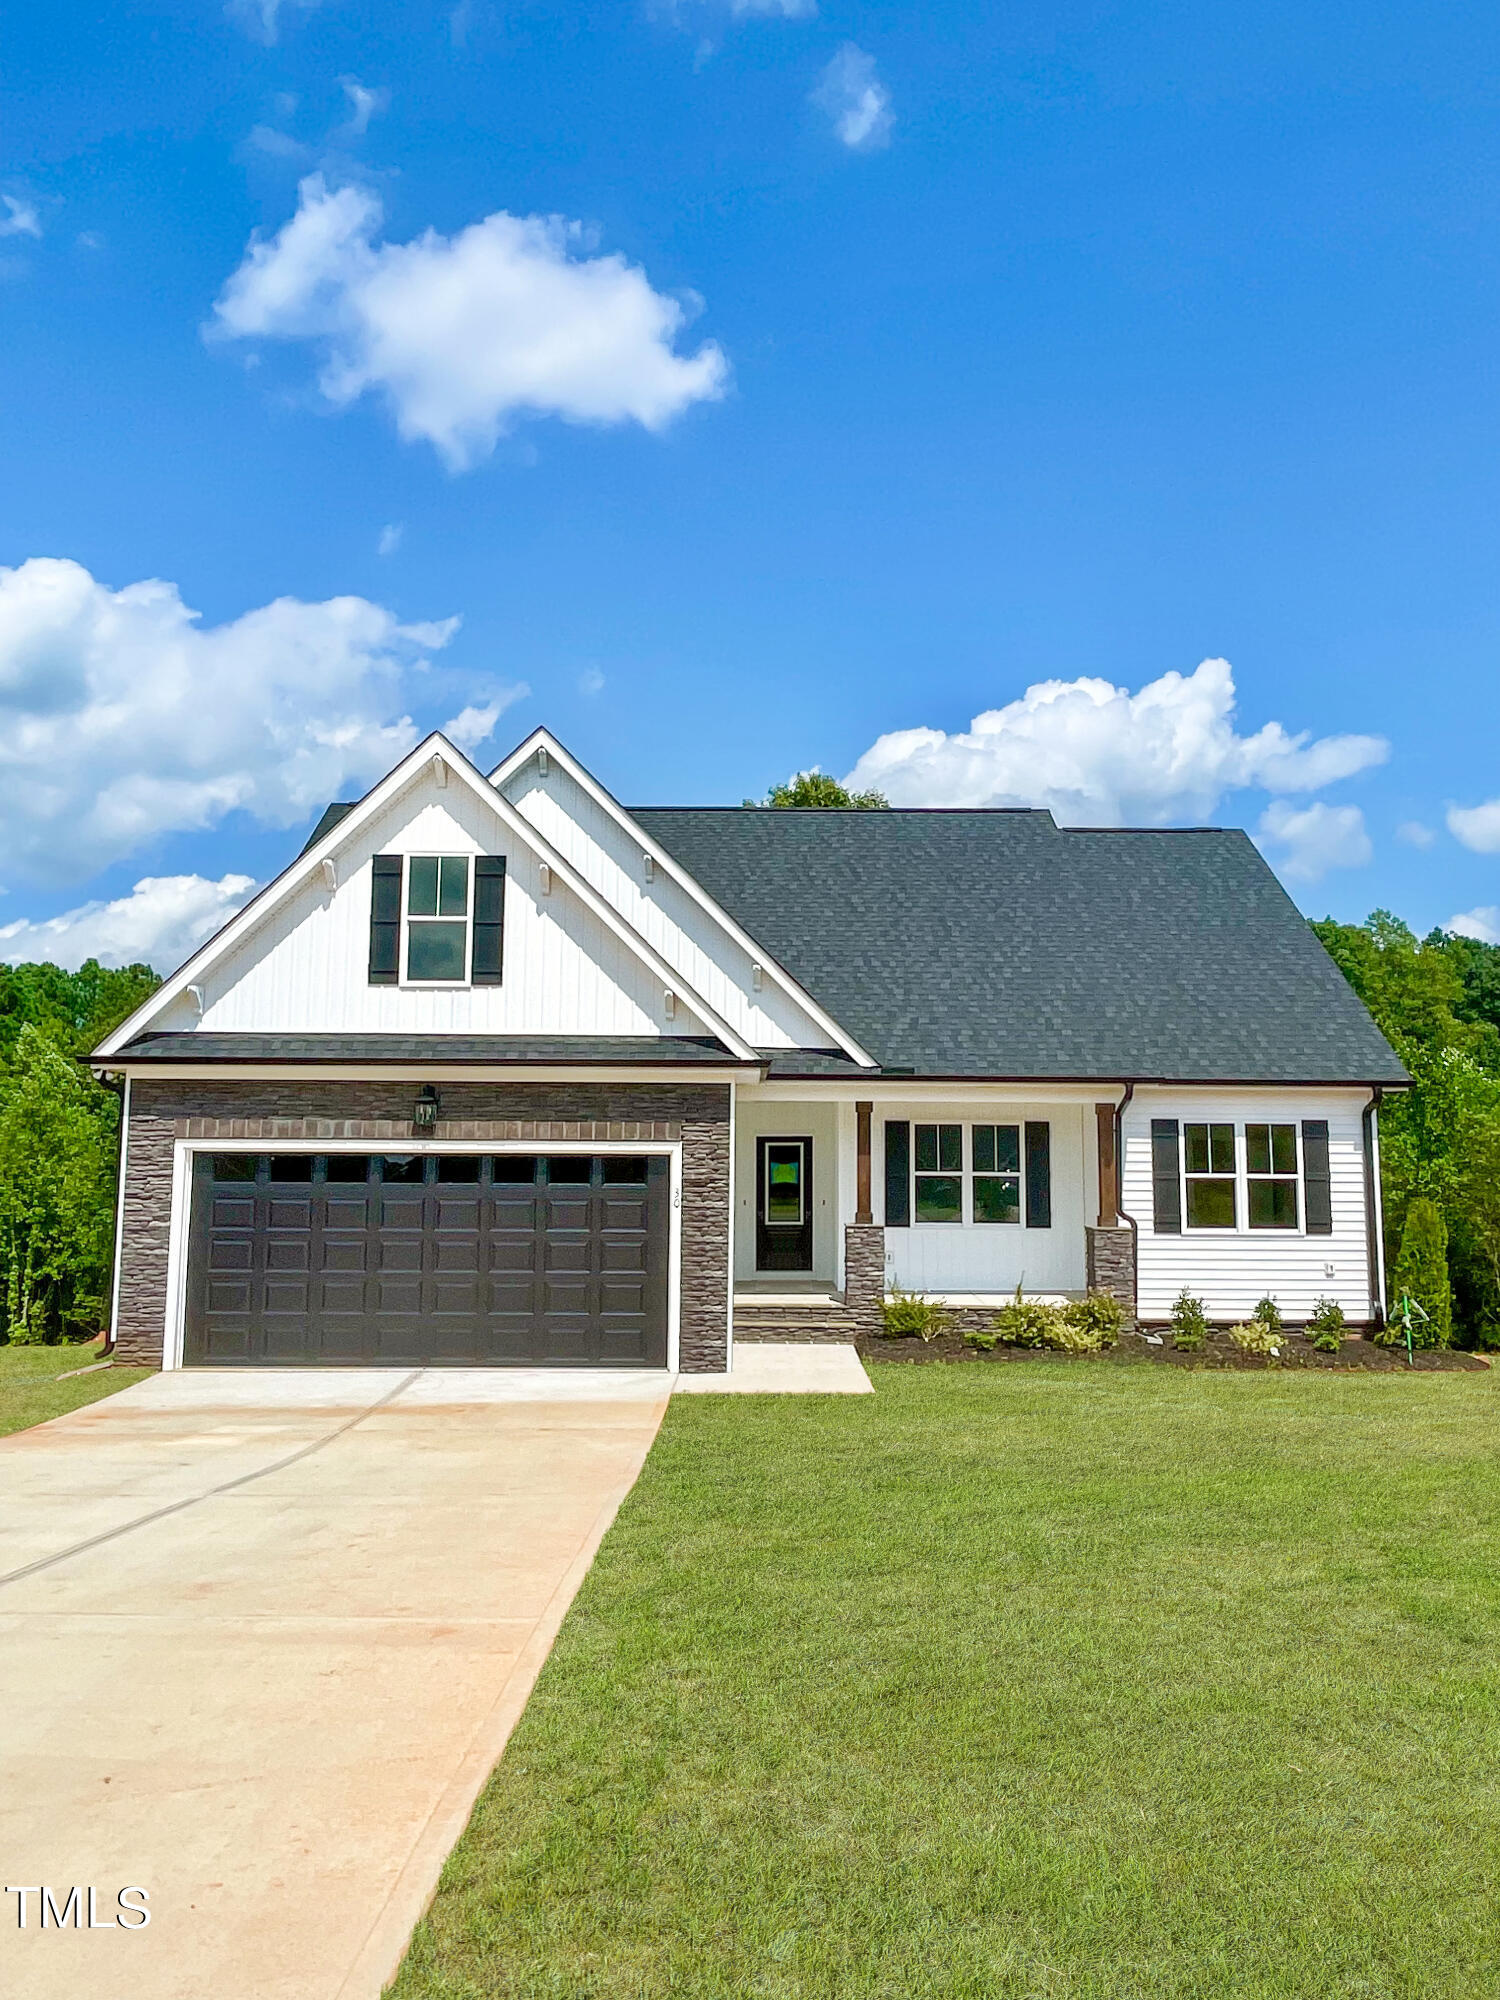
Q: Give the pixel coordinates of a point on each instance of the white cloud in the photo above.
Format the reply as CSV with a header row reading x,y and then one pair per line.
x,y
364,104
591,681
473,724
463,334
1476,827
390,538
1098,755
1483,923
262,18
1415,834
856,100
122,717
277,145
21,217
160,923
1309,840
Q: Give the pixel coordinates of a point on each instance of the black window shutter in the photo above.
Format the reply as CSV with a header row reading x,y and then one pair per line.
x,y
1038,1176
385,920
1317,1182
1166,1184
489,918
897,1173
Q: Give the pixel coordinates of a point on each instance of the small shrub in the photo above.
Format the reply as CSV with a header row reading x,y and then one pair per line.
x,y
1189,1323
1325,1330
1027,1322
985,1342
1268,1314
1099,1315
908,1312
1255,1337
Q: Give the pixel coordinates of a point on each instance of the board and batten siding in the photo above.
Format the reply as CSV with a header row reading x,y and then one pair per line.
x,y
305,970
995,1257
674,923
1230,1270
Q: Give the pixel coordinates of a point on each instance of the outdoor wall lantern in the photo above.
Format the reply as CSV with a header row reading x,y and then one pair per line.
x,y
424,1115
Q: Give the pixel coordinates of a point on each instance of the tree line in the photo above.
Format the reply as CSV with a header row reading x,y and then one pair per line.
x,y
59,1144
1436,998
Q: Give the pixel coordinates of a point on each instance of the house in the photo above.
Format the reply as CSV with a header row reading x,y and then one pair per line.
x,y
499,1072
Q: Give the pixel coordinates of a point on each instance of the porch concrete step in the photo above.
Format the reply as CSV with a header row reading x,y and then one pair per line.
x,y
830,1321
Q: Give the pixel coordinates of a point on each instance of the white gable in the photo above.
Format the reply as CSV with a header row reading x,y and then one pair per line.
x,y
676,918
297,961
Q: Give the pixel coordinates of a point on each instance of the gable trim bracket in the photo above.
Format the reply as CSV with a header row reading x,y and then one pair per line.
x,y
544,746
308,867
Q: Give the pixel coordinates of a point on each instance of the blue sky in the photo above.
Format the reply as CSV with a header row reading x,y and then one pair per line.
x,y
882,364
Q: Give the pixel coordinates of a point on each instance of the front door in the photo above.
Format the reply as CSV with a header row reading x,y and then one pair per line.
x,y
783,1205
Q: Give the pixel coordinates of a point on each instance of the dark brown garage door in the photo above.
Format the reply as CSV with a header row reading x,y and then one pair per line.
x,y
347,1259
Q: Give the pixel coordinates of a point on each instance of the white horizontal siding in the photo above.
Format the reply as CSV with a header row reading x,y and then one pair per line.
x,y
305,969
688,937
995,1257
1231,1270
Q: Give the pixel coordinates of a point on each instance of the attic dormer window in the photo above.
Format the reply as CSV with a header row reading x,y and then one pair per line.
x,y
437,919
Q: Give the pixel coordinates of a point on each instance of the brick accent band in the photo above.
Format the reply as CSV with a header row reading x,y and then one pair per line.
x,y
163,1111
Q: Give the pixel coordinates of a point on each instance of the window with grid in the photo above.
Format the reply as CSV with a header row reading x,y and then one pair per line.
x,y
996,1159
437,918
1209,1173
1271,1176
939,1173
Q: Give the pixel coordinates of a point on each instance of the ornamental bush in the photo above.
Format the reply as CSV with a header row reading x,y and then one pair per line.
x,y
1325,1329
1189,1323
1422,1274
1098,1314
1268,1313
1255,1337
1028,1322
908,1312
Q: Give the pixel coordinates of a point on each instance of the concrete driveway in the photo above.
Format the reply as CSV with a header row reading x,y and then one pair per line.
x,y
262,1638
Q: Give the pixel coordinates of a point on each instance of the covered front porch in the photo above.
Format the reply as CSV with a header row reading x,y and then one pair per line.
x,y
961,1192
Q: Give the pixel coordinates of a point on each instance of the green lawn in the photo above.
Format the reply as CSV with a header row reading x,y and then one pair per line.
x,y
30,1391
1054,1680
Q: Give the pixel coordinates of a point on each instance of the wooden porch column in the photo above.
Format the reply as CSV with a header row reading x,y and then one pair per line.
x,y
862,1209
1104,1116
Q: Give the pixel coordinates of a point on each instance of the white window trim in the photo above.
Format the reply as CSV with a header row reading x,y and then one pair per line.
x,y
407,920
966,1174
1242,1180
184,1152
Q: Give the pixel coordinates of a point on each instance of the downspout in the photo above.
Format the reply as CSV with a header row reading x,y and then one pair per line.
x,y
1374,1248
1120,1208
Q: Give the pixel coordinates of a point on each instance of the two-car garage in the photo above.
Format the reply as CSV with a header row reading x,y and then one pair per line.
x,y
461,1257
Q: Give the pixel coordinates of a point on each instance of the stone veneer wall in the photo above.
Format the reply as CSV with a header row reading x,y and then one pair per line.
x,y
378,1115
864,1273
1110,1264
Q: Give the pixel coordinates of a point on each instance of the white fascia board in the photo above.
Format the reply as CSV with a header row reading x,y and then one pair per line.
x,y
374,802
543,739
918,1090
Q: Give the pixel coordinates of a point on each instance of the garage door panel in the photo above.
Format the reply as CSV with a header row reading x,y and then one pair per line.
x,y
463,1259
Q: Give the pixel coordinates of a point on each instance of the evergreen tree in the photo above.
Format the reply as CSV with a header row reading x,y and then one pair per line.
x,y
1422,1275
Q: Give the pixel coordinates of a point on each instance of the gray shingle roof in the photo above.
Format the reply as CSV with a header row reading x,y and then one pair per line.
x,y
998,944
670,1051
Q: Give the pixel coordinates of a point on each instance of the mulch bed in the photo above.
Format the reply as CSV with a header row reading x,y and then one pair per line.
x,y
1218,1352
